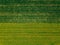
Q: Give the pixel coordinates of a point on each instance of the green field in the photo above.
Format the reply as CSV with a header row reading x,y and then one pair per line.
x,y
29,22
22,11
29,34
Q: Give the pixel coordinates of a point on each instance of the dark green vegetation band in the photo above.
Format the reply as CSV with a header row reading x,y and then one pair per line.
x,y
46,11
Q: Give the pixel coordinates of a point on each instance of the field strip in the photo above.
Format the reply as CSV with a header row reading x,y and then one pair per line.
x,y
16,5
40,29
